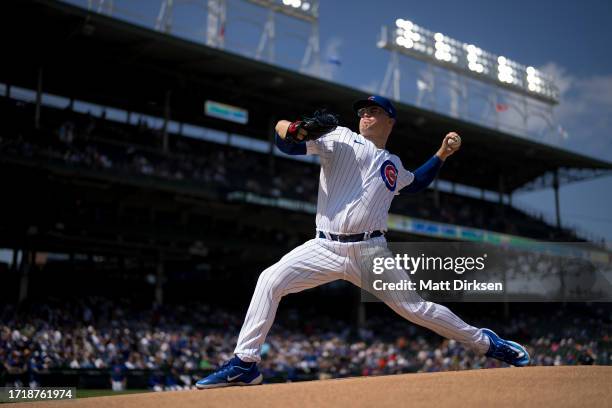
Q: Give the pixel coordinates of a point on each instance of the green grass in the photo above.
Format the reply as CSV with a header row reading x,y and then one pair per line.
x,y
82,393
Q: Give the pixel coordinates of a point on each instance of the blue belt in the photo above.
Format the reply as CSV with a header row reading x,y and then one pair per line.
x,y
350,237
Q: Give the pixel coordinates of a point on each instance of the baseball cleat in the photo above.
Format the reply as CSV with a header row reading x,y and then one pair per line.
x,y
506,350
234,372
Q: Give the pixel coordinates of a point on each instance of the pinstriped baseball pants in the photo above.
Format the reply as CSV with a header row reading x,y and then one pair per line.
x,y
319,261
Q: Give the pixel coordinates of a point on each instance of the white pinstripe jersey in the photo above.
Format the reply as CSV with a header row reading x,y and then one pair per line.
x,y
357,183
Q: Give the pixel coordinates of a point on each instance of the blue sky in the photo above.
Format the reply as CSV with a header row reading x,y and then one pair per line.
x,y
567,39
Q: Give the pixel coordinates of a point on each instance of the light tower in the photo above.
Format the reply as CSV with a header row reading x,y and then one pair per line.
x,y
216,27
454,64
216,21
304,10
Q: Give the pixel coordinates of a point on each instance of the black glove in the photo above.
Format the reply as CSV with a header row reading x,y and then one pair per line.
x,y
321,123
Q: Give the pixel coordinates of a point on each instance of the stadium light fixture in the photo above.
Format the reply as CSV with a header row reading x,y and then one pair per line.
x,y
437,48
307,10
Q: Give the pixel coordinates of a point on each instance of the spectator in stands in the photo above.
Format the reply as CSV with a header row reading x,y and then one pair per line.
x,y
118,377
120,338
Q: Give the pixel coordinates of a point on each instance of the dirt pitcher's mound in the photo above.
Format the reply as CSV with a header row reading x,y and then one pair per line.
x,y
505,387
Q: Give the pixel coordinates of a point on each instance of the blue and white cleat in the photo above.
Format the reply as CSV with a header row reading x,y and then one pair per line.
x,y
506,350
234,372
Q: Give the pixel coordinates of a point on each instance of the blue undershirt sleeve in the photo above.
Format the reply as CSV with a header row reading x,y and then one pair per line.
x,y
424,175
293,149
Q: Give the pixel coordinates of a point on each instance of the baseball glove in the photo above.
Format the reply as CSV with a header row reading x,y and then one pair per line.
x,y
312,128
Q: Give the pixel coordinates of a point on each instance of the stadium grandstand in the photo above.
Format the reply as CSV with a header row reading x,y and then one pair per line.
x,y
117,185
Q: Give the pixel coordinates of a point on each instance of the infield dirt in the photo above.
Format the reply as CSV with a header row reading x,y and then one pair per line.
x,y
568,386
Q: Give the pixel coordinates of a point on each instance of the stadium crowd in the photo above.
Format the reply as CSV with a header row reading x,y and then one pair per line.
x,y
82,140
186,340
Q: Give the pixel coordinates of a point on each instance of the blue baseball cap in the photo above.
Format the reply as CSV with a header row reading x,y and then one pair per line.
x,y
376,100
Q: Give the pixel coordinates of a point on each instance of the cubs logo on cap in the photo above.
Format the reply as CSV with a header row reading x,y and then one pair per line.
x,y
388,172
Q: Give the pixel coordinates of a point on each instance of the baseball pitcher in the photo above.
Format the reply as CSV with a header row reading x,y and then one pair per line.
x,y
358,181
